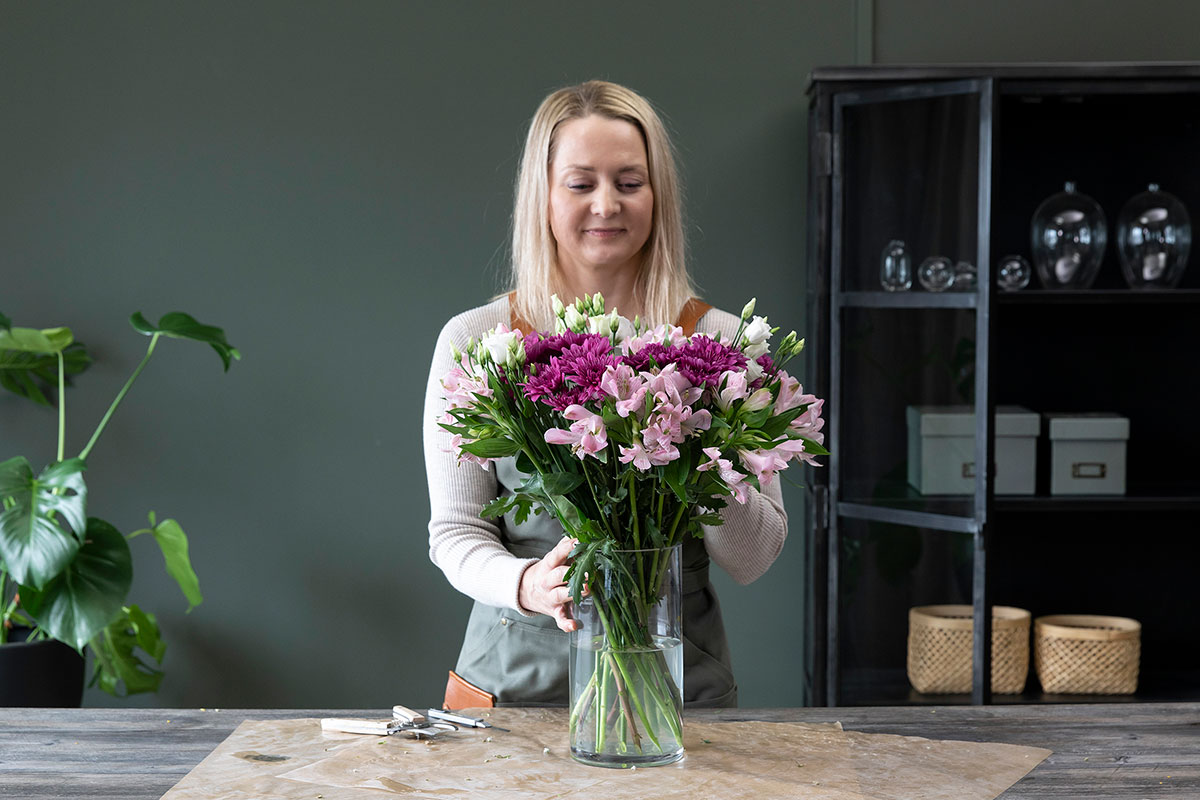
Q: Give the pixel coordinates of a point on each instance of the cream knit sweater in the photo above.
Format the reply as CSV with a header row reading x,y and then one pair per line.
x,y
467,548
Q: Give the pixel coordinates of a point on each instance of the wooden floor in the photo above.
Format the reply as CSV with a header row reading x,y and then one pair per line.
x,y
1101,752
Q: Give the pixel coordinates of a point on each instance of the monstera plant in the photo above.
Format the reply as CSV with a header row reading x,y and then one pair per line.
x,y
66,575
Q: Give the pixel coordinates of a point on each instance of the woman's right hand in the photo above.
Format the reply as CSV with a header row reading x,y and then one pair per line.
x,y
543,588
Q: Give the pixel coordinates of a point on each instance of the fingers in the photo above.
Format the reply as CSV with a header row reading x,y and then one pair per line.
x,y
561,551
564,620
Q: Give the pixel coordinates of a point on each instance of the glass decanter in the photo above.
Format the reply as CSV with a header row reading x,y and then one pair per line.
x,y
1069,234
1154,235
895,267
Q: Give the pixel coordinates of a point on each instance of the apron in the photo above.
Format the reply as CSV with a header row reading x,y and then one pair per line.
x,y
523,660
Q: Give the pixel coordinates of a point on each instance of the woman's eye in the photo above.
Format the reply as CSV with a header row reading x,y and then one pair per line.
x,y
631,186
579,187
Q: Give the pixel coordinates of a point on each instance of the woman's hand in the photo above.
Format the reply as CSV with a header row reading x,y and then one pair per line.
x,y
543,587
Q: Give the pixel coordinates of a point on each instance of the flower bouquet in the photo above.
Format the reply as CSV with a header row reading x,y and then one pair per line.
x,y
633,439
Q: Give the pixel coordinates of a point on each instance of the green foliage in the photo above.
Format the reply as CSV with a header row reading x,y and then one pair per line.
x,y
116,659
34,375
35,544
179,325
68,574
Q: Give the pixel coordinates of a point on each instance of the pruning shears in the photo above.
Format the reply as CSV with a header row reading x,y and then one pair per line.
x,y
404,720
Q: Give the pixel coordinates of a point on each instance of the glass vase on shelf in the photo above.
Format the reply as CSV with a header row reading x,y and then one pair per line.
x,y
1013,273
1069,235
936,274
895,267
1154,235
626,667
966,277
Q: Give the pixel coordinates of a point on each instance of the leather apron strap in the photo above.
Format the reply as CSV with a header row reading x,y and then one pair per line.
x,y
689,315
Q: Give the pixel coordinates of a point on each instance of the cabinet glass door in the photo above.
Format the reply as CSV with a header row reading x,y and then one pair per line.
x,y
909,292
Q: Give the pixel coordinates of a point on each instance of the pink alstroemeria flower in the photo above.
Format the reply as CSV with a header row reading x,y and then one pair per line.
x,y
763,464
461,388
626,386
669,386
732,479
734,388
809,423
655,450
587,436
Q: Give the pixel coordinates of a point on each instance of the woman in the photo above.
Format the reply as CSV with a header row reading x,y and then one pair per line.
x,y
597,210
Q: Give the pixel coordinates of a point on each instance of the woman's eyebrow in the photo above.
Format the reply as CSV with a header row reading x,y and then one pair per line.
x,y
585,168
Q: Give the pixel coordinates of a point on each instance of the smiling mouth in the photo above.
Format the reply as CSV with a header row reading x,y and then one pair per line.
x,y
604,233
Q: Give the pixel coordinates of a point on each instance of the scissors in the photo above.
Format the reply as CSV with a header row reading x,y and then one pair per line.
x,y
460,719
404,720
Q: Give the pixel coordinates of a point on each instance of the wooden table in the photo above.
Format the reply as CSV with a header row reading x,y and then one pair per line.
x,y
1101,752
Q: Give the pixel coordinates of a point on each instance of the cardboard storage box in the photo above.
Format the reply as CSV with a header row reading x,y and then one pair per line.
x,y
1087,453
941,449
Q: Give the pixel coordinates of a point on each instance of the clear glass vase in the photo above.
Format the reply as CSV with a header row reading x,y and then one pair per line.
x,y
1154,235
1069,235
626,669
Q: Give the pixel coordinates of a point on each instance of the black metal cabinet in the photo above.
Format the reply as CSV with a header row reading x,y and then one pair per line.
x,y
954,161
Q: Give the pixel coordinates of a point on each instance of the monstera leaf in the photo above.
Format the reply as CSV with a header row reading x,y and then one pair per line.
x,y
179,325
81,601
43,518
116,649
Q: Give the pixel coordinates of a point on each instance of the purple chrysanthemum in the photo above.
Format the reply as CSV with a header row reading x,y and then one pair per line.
x,y
654,353
769,371
571,375
547,384
702,360
539,348
584,364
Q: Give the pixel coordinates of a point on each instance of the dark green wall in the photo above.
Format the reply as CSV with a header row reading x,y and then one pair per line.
x,y
329,182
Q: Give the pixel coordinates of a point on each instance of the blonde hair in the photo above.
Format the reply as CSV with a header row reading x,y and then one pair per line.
x,y
663,285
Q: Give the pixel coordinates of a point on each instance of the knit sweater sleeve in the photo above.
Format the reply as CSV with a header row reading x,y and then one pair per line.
x,y
466,547
752,535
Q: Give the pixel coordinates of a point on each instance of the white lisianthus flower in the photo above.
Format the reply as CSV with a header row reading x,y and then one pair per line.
x,y
758,331
753,351
625,329
574,320
754,371
600,323
502,346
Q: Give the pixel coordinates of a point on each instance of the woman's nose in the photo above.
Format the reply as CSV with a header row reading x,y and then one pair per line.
x,y
605,202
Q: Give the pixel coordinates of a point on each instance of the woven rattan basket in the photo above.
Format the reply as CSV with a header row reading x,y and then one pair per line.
x,y
939,649
1082,654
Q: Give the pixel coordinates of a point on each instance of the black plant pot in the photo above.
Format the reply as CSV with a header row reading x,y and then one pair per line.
x,y
45,674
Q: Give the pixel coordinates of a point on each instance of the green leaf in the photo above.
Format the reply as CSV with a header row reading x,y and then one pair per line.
x,y
179,325
776,425
31,340
560,482
499,507
174,545
116,661
812,447
495,447
35,544
5,322
81,601
676,473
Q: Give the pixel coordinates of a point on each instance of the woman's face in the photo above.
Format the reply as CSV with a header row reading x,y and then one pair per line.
x,y
601,201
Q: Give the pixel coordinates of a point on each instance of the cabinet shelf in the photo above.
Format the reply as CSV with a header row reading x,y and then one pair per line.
x,y
910,299
889,687
1099,297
